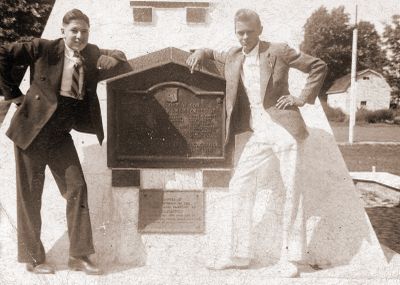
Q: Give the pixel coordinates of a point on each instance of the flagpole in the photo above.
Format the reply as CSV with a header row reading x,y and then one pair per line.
x,y
353,88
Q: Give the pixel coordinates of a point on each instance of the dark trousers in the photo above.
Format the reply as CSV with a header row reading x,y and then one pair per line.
x,y
63,161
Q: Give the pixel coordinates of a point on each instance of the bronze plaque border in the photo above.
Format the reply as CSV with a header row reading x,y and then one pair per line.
x,y
115,160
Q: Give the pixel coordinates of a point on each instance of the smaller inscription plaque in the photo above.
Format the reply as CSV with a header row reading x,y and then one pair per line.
x,y
171,211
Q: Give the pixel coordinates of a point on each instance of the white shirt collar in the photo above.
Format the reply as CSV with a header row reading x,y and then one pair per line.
x,y
253,52
69,52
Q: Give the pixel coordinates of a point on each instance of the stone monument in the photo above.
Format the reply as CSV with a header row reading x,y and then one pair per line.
x,y
157,187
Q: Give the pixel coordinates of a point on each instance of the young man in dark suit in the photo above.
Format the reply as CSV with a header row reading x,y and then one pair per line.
x,y
267,117
62,96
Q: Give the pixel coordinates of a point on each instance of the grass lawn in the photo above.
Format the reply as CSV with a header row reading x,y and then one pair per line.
x,y
367,132
361,157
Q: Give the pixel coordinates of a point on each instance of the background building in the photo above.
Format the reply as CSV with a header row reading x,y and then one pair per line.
x,y
373,92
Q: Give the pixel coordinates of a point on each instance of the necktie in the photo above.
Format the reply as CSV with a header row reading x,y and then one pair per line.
x,y
75,77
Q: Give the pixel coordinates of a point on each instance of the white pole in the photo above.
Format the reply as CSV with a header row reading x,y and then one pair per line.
x,y
353,90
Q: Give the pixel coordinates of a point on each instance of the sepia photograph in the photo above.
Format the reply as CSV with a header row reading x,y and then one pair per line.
x,y
199,142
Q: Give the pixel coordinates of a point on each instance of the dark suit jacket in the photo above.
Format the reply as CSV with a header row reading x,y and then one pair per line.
x,y
275,61
46,59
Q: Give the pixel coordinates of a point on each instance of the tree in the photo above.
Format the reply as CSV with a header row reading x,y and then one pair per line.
x,y
21,19
370,53
328,35
391,40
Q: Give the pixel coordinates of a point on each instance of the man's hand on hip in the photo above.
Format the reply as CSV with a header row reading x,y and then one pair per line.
x,y
288,101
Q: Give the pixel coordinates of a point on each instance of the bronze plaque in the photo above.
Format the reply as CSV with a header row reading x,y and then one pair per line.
x,y
169,125
171,211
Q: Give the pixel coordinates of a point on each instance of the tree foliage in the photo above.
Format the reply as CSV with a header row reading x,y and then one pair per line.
x,y
22,19
391,40
370,53
328,35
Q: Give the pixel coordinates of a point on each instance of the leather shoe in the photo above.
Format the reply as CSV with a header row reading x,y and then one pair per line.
x,y
41,268
83,263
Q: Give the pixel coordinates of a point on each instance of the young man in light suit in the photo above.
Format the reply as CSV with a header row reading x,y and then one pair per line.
x,y
277,130
62,96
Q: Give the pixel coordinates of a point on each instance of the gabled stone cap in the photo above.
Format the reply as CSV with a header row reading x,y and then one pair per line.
x,y
169,55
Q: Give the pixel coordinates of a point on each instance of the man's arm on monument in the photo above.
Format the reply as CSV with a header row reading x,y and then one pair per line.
x,y
112,63
16,54
315,67
110,58
195,60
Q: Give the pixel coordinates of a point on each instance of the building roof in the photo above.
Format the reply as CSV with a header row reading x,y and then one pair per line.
x,y
341,84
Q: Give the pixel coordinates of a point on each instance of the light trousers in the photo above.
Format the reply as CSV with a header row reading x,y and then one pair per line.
x,y
275,156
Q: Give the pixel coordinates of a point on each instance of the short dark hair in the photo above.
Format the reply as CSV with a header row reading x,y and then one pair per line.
x,y
244,15
75,14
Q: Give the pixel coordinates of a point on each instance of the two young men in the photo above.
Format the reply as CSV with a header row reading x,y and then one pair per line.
x,y
62,97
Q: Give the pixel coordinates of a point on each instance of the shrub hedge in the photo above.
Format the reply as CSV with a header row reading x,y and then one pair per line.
x,y
362,115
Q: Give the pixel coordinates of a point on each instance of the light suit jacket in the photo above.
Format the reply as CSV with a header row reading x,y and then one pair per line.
x,y
47,60
275,61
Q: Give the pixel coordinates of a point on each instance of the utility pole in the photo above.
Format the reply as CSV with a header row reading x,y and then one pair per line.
x,y
353,88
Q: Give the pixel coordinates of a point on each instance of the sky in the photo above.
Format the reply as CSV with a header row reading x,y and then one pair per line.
x,y
377,12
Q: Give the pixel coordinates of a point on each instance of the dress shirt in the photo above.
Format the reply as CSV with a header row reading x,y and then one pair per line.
x,y
250,74
261,121
66,82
